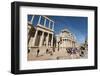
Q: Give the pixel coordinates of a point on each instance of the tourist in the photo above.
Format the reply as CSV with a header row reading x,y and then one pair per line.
x,y
28,50
47,51
38,52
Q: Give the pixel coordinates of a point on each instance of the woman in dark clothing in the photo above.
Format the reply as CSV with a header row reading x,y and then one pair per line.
x,y
47,51
38,52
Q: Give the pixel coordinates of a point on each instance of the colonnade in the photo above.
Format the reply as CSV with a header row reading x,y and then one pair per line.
x,y
43,37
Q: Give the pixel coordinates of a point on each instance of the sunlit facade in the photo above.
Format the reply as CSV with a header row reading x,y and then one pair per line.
x,y
65,39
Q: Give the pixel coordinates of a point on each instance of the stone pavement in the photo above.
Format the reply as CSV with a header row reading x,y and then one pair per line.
x,y
61,54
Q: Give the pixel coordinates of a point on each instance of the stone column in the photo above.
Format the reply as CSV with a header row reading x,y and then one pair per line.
x,y
34,39
49,23
71,43
45,22
41,39
32,19
53,26
39,20
52,41
74,44
30,42
68,43
47,39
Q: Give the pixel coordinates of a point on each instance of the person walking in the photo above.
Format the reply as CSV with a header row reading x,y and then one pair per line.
x,y
47,51
38,52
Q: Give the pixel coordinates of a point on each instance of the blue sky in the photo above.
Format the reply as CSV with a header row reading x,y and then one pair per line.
x,y
77,25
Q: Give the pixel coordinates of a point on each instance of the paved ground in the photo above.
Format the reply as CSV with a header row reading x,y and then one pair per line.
x,y
61,54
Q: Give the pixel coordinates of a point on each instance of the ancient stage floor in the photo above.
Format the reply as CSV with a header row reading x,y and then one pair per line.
x,y
61,54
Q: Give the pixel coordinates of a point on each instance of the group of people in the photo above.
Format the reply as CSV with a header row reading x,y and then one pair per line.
x,y
71,51
47,52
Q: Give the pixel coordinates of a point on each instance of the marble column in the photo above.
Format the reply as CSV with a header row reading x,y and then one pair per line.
x,y
53,26
47,39
32,19
49,23
34,39
45,22
41,39
39,20
52,41
74,44
70,43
